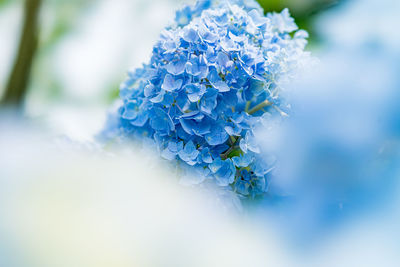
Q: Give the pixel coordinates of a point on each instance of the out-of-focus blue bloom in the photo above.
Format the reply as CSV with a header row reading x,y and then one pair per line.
x,y
283,22
249,143
172,150
211,76
339,154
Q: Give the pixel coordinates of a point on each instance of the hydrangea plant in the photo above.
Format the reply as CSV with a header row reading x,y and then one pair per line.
x,y
213,75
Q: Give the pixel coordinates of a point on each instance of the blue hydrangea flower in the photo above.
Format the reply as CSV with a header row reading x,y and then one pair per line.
x,y
211,77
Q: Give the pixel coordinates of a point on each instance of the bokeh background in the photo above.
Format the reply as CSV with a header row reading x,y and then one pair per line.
x,y
65,204
78,51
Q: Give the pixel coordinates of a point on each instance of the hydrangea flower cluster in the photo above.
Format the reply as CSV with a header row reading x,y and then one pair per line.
x,y
212,77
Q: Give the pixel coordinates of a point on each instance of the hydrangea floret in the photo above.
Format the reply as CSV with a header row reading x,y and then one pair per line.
x,y
212,76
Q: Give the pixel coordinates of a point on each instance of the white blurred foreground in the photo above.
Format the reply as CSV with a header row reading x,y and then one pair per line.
x,y
70,206
63,205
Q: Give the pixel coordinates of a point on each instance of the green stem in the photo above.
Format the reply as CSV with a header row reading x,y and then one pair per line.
x,y
226,153
283,114
260,106
248,103
233,139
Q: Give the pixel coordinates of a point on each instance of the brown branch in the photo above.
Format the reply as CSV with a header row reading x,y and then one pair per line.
x,y
18,81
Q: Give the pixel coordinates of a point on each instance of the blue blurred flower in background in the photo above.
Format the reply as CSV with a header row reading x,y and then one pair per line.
x,y
212,76
338,154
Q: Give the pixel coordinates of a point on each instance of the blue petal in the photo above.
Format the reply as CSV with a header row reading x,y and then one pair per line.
x,y
206,156
216,165
158,98
224,171
190,148
195,115
175,147
242,187
187,126
177,65
161,121
257,18
190,35
195,91
141,119
207,35
201,129
229,45
217,136
233,129
149,90
223,60
170,84
189,153
209,101
197,66
221,86
249,143
167,154
130,111
243,160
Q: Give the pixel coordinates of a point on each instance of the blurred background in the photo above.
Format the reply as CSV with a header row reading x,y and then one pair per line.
x,y
62,60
